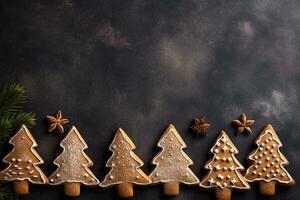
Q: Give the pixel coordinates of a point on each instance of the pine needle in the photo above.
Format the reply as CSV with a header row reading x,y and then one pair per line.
x,y
12,98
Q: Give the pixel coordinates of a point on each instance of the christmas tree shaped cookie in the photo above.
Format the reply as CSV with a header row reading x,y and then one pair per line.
x,y
125,166
172,164
23,163
73,165
224,174
268,167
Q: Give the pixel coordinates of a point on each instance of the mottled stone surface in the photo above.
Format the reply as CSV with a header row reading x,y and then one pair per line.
x,y
140,65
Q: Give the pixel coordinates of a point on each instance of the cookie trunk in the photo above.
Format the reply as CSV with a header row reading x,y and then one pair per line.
x,y
72,189
267,188
125,190
171,188
21,187
223,194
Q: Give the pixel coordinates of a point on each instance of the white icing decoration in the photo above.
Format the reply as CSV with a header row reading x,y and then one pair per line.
x,y
217,167
220,177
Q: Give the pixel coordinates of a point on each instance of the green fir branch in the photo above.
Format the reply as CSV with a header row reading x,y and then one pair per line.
x,y
12,98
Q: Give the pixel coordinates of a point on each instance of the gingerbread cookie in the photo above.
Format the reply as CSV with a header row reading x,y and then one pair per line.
x,y
268,167
172,164
125,166
73,165
224,174
23,163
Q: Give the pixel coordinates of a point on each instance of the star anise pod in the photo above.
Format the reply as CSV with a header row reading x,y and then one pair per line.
x,y
200,126
243,124
57,122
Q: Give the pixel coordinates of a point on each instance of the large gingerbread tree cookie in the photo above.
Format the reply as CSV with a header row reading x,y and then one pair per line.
x,y
224,169
172,163
268,167
125,166
73,165
23,163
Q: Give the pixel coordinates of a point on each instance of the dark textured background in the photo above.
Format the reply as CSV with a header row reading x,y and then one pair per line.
x,y
140,65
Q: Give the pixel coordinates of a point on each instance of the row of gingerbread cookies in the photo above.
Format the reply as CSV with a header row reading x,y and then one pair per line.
x,y
172,165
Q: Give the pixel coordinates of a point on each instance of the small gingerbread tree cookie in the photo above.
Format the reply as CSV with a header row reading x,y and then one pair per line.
x,y
224,174
23,163
73,165
125,166
268,167
172,164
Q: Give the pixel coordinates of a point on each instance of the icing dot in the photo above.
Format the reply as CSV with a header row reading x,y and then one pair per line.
x,y
272,163
156,174
113,164
229,159
274,175
57,175
51,180
268,147
276,166
268,175
265,153
268,165
254,172
282,174
132,165
186,175
255,166
217,158
228,176
220,177
262,144
255,157
277,159
111,177
83,165
260,155
267,140
29,161
264,169
225,168
274,156
13,159
272,171
224,159
216,150
225,184
271,150
179,159
20,168
259,162
20,173
15,166
231,150
218,144
277,170
274,145
137,177
19,160
259,174
28,167
268,158
260,149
